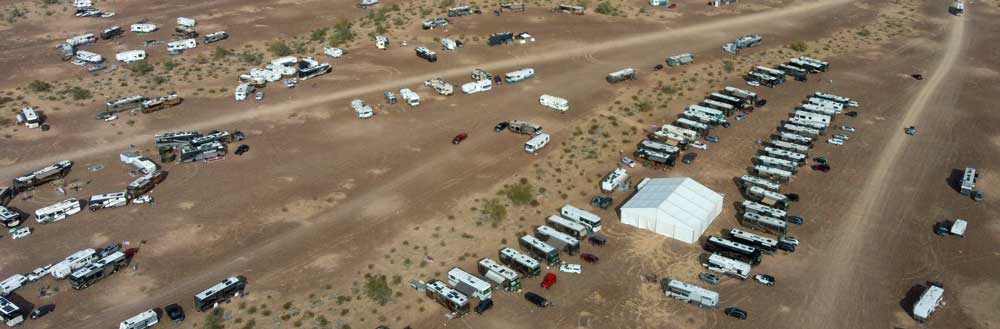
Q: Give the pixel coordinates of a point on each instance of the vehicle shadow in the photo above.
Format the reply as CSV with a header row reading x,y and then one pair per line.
x,y
911,298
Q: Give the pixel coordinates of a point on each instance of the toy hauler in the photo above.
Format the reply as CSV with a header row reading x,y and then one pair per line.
x,y
215,37
658,147
686,133
968,183
614,179
454,300
621,75
503,276
568,226
746,181
520,262
733,249
682,59
220,293
524,127
519,75
144,28
539,249
839,99
588,219
929,301
790,146
9,218
496,39
209,151
162,102
411,98
90,274
719,106
763,243
725,265
144,184
773,199
74,262
426,54
800,130
777,174
823,66
460,11
754,207
104,201
89,57
10,313
555,103
764,79
557,239
785,154
794,138
808,123
361,109
536,143
81,40
570,9
656,157
817,109
477,86
698,127
58,211
179,46
131,56
144,320
41,176
735,102
690,293
469,284
798,73
29,117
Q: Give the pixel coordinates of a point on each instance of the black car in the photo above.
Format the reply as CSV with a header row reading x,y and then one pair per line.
x,y
242,149
536,299
792,197
601,202
658,67
851,114
689,157
484,305
795,219
736,313
42,311
174,312
598,240
501,126
760,102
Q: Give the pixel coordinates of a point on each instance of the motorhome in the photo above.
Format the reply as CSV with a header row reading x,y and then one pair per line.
x,y
172,139
144,320
496,39
718,114
748,41
52,172
720,106
427,54
67,51
512,7
703,118
557,239
104,201
746,181
285,66
112,32
214,136
839,99
809,107
9,218
735,102
215,37
185,32
777,163
536,143
29,117
362,110
570,9
794,71
411,98
520,262
460,11
144,184
785,154
144,28
770,198
10,313
790,146
823,65
808,123
6,194
440,86
614,179
760,242
125,103
656,157
929,301
99,269
131,56
686,133
827,103
658,147
743,94
524,127
184,21
203,152
74,262
682,59
800,130
162,102
454,300
58,211
9,285
567,226
968,182
699,127
539,249
804,65
179,46
621,75
588,219
553,102
763,78
469,284
220,293
89,57
754,207
477,86
81,40
725,265
690,293
778,174
795,138
519,75
733,249
503,276
243,90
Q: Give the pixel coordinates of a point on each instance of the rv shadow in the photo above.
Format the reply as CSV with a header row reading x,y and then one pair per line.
x,y
911,298
955,179
26,306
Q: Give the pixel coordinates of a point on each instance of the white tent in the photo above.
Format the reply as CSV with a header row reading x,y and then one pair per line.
x,y
679,207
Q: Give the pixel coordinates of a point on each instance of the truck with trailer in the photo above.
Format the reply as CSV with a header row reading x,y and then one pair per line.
x,y
725,265
955,227
772,173
682,59
440,86
567,226
754,207
553,102
557,239
469,285
104,201
519,75
10,313
220,293
450,298
689,293
38,177
790,146
968,182
99,269
614,179
503,276
733,249
588,219
520,262
57,211
426,54
524,127
746,181
539,249
73,262
928,302
621,75
537,142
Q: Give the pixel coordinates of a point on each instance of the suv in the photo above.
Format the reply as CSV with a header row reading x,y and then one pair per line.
x,y
536,299
689,157
42,311
501,126
242,149
459,138
484,305
736,313
709,277
712,138
601,202
174,312
764,279
795,219
549,280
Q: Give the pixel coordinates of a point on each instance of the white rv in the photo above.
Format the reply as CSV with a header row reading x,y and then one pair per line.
x,y
29,117
764,223
791,146
840,99
785,154
448,44
801,130
693,125
469,284
89,57
568,226
12,283
477,86
81,39
131,56
179,46
794,138
690,293
748,180
750,206
287,65
215,37
557,239
454,300
104,201
553,102
968,182
772,173
519,75
381,42
243,90
614,179
58,211
726,265
144,320
411,98
814,108
333,52
188,22
929,300
505,277
588,219
10,313
686,133
144,28
441,87
74,262
621,75
363,110
777,163
536,143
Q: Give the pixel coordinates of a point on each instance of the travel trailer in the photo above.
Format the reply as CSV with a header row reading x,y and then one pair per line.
x,y
131,56
690,293
536,143
555,103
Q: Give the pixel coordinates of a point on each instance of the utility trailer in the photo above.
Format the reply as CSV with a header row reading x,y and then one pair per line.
x,y
725,265
519,261
503,276
621,75
50,173
689,293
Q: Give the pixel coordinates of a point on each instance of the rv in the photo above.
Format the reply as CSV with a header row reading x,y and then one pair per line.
x,y
733,249
539,249
814,108
570,9
452,299
682,59
449,44
656,156
89,57
799,158
214,136
715,113
968,182
131,56
442,87
215,37
519,75
621,75
754,207
742,94
763,243
41,176
690,293
732,101
81,40
800,130
434,22
747,181
796,72
808,123
839,99
778,174
520,262
6,194
104,201
698,127
243,90
9,218
220,293
795,138
172,139
614,179
58,211
496,39
823,66
144,28
67,51
770,198
427,54
90,274
777,163
144,184
804,65
704,119
555,103
184,21
469,284
29,117
477,86
363,110
652,145
763,79
503,276
179,46
686,133
112,32
10,313
162,102
206,152
568,226
588,219
929,301
144,320
748,41
460,11
728,266
74,262
390,98
524,127
777,74
9,285
185,32
558,239
411,98
512,7
536,143
125,103
791,146
364,4
823,102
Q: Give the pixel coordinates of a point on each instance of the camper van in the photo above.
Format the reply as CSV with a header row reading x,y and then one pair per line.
x,y
555,103
536,143
144,320
131,56
58,211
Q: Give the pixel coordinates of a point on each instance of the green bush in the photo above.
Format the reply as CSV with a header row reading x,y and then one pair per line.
x,y
341,32
77,93
728,66
799,46
493,211
39,86
221,53
140,68
280,48
377,288
520,193
319,34
605,8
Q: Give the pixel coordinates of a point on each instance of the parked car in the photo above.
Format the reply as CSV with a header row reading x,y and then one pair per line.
x,y
658,67
597,240
484,305
290,83
849,128
795,219
911,130
17,233
549,280
501,126
822,160
764,279
628,162
841,136
978,195
789,240
459,138
42,311
602,202
736,313
822,167
760,102
712,138
753,83
571,268
698,145
536,299
174,312
851,114
835,141
709,277
259,95
242,149
917,76
741,116
590,258
689,157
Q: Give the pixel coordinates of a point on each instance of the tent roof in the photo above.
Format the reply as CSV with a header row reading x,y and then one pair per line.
x,y
679,200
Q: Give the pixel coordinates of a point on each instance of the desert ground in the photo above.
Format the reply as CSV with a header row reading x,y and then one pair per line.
x,y
325,203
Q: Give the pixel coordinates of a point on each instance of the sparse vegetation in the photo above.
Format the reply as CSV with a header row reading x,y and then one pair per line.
x,y
342,32
493,211
799,46
214,320
279,48
377,288
77,93
39,86
728,66
521,193
606,8
252,58
221,52
140,68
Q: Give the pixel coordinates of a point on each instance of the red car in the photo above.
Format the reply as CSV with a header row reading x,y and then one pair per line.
x,y
458,139
549,280
821,167
590,258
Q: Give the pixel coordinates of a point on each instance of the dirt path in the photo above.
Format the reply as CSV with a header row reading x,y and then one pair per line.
x,y
836,299
315,103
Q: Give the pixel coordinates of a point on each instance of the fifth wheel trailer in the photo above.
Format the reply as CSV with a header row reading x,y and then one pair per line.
x,y
690,293
524,127
728,266
553,102
104,201
929,301
73,262
773,199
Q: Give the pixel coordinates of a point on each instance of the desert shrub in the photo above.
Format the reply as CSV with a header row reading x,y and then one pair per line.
x,y
342,32
39,86
605,8
493,211
520,193
377,288
279,48
140,68
77,93
799,46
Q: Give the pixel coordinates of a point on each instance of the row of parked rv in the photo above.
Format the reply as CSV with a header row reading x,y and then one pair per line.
x,y
184,31
796,68
561,232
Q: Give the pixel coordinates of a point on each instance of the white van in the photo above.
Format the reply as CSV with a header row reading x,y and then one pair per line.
x,y
536,143
555,103
146,319
477,86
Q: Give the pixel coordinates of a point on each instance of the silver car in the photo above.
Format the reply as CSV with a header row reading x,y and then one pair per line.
x,y
841,136
848,128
